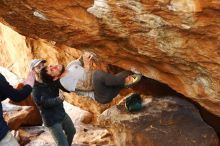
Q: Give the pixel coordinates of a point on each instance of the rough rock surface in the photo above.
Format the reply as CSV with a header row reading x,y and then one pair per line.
x,y
88,103
15,116
174,42
34,118
164,121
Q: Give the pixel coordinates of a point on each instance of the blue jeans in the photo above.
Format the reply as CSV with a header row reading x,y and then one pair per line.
x,y
63,132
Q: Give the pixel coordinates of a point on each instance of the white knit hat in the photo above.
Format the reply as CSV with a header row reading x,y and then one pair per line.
x,y
35,62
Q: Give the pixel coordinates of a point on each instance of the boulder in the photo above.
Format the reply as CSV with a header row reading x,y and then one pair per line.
x,y
34,117
167,121
175,42
15,116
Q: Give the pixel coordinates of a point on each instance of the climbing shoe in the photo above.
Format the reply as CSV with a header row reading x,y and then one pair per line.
x,y
132,79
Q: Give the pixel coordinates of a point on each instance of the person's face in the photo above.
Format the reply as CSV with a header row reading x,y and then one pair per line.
x,y
38,68
55,70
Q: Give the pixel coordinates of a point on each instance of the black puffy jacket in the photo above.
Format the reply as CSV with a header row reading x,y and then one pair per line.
x,y
46,98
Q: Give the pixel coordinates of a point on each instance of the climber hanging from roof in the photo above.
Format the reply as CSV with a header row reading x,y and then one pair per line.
x,y
79,77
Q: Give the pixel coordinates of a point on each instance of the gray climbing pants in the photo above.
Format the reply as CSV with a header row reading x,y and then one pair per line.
x,y
107,86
